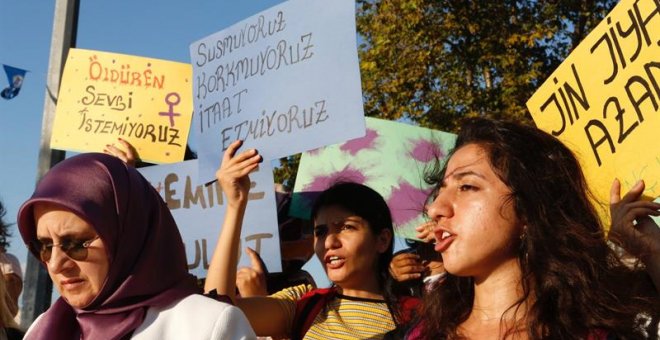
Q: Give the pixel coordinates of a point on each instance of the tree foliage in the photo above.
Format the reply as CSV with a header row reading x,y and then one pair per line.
x,y
435,62
287,171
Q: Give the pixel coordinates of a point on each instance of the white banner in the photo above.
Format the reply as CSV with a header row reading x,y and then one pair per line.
x,y
285,80
199,211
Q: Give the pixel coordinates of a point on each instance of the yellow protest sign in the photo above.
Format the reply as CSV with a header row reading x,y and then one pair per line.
x,y
603,101
105,96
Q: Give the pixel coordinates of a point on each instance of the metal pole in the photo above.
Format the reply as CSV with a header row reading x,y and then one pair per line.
x,y
37,286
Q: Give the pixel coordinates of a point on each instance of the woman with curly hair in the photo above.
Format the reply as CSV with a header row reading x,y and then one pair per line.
x,y
526,254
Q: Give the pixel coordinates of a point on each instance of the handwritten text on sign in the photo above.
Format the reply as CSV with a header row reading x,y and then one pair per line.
x,y
604,99
105,96
199,212
283,81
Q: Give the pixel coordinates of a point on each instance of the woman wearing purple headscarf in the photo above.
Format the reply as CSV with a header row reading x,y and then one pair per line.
x,y
115,255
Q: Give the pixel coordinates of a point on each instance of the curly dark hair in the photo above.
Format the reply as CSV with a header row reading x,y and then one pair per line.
x,y
573,282
4,229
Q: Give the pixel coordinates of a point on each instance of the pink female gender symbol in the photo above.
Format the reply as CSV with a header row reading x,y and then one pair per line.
x,y
172,103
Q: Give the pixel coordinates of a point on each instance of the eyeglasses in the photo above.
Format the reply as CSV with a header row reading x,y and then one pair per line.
x,y
75,250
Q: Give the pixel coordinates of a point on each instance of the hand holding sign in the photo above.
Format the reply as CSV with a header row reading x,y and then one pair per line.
x,y
283,81
233,173
603,101
126,152
233,178
634,230
632,227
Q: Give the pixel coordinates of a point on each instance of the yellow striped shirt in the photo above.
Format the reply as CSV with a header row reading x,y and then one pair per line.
x,y
343,318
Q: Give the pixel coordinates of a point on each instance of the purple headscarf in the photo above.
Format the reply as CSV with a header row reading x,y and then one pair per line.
x,y
145,251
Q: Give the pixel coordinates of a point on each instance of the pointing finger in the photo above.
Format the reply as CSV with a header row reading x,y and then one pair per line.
x,y
255,260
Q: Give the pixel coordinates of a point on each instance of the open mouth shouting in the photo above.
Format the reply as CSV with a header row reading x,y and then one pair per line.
x,y
334,262
444,239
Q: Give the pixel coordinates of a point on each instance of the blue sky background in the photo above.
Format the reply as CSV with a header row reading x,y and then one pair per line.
x,y
159,29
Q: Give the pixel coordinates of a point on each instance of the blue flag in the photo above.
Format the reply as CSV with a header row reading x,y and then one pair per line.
x,y
15,77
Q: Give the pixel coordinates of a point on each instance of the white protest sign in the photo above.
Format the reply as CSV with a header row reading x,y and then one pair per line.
x,y
199,211
285,80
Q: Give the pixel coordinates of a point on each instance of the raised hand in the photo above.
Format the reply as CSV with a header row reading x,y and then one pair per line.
x,y
126,152
234,170
233,177
632,227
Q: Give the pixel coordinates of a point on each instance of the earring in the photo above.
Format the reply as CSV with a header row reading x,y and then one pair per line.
x,y
523,235
523,246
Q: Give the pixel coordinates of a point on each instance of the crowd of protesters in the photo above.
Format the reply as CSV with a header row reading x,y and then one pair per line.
x,y
514,249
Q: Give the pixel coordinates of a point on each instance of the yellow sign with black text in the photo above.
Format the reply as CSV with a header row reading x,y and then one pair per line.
x,y
603,101
106,96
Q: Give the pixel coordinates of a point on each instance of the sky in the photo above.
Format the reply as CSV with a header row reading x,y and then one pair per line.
x,y
159,29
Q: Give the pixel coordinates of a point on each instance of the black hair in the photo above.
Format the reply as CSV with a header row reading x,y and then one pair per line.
x,y
365,202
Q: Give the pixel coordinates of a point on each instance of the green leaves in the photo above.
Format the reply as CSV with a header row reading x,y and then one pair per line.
x,y
437,62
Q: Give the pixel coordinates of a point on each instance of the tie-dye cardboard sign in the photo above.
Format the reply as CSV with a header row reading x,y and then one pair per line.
x,y
392,159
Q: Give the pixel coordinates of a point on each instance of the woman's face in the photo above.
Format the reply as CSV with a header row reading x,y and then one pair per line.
x,y
79,281
476,229
347,248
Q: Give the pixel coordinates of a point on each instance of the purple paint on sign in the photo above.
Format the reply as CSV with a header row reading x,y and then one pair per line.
x,y
322,182
314,152
348,174
424,150
406,203
355,145
172,103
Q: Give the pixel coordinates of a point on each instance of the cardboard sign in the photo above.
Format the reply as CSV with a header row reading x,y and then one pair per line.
x,y
603,101
199,212
392,159
105,96
285,80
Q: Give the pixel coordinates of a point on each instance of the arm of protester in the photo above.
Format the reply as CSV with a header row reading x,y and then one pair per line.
x,y
251,281
264,313
235,183
406,266
634,230
126,152
425,232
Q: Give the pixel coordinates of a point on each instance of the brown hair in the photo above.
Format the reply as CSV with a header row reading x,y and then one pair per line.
x,y
579,284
